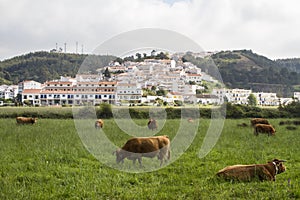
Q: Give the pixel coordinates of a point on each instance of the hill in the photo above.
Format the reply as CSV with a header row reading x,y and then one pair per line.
x,y
42,66
239,69
248,70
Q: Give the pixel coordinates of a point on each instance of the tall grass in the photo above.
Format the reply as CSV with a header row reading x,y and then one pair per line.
x,y
47,160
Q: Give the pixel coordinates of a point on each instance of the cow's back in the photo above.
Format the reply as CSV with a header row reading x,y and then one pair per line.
x,y
255,121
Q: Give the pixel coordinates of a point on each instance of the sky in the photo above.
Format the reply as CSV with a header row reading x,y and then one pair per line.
x,y
269,28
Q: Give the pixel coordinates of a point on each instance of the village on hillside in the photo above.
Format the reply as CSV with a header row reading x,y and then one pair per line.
x,y
149,82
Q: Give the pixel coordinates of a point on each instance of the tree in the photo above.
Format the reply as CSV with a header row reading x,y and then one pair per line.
x,y
252,101
161,92
139,57
107,73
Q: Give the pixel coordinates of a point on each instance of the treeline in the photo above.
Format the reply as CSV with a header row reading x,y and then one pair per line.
x,y
141,57
105,111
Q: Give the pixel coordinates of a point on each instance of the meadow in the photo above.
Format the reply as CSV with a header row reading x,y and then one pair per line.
x,y
48,160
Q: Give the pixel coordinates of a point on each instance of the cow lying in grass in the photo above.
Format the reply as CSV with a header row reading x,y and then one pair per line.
x,y
26,120
264,128
138,147
251,172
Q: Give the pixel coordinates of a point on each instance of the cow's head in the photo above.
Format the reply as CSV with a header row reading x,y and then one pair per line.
x,y
119,155
34,119
279,165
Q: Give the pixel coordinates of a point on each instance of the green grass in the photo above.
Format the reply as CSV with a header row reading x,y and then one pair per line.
x,y
48,161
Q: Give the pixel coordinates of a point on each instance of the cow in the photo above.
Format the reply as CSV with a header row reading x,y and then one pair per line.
x,y
258,121
152,125
26,120
99,123
138,147
264,128
242,125
260,172
190,120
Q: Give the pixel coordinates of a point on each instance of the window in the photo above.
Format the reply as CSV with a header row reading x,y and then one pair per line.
x,y
25,97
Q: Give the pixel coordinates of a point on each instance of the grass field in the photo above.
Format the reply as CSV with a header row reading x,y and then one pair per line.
x,y
48,161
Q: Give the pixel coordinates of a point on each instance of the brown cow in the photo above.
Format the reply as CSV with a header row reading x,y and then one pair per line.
x,y
26,120
138,147
259,121
152,125
251,172
99,123
190,120
264,128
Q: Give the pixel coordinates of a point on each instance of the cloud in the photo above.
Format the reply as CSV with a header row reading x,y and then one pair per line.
x,y
267,27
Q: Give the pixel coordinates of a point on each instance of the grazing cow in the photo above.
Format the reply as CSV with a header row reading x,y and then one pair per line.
x,y
259,121
26,120
251,172
152,125
99,123
292,128
190,120
242,125
138,147
264,128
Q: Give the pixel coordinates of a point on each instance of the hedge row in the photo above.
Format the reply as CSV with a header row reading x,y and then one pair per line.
x,y
106,111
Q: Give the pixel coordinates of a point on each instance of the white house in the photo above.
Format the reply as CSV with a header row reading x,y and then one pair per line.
x,y
266,99
28,85
31,96
128,92
297,96
207,99
8,91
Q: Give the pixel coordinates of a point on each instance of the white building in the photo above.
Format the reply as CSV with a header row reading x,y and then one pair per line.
x,y
266,99
28,85
197,78
235,96
128,92
32,96
207,99
8,91
297,96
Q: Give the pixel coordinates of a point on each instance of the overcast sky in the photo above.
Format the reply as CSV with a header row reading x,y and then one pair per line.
x,y
270,28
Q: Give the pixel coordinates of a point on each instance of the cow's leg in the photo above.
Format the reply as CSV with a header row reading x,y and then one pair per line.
x,y
255,132
265,175
140,161
133,161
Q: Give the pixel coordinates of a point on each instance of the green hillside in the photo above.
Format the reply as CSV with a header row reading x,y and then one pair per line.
x,y
239,69
43,66
248,70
